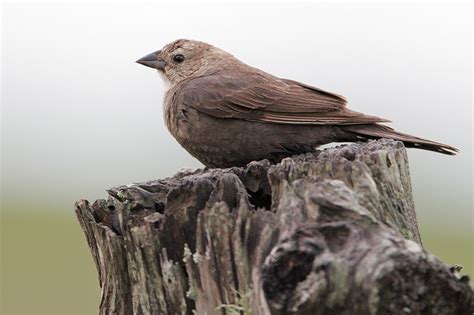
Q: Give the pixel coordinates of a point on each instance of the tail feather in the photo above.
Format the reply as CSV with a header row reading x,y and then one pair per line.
x,y
376,131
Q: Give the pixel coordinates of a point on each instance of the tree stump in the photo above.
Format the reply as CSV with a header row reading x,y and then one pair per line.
x,y
329,232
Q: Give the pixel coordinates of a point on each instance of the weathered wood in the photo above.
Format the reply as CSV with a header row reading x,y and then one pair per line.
x,y
330,232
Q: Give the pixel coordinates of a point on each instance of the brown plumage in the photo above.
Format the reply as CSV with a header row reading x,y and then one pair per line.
x,y
227,113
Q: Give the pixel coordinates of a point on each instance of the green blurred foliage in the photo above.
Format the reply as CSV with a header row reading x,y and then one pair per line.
x,y
453,247
47,268
46,265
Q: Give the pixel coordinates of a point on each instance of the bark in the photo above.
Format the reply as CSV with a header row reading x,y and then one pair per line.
x,y
329,232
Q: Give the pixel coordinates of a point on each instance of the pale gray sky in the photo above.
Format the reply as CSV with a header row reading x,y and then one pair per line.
x,y
79,116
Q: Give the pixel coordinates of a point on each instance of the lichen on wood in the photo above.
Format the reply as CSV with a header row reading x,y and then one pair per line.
x,y
328,232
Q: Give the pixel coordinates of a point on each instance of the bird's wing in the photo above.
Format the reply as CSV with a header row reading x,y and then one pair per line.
x,y
257,97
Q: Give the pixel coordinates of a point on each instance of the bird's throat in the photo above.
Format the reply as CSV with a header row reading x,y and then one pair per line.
x,y
166,81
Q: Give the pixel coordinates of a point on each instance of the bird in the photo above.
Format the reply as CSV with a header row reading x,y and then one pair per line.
x,y
227,113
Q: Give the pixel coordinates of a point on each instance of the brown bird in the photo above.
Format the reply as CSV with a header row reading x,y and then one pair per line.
x,y
226,113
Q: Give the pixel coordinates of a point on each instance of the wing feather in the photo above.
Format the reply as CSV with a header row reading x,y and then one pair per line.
x,y
260,97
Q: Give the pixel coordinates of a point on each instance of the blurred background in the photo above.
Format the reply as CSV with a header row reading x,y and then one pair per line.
x,y
79,116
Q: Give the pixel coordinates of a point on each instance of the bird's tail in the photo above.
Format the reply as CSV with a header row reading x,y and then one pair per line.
x,y
376,131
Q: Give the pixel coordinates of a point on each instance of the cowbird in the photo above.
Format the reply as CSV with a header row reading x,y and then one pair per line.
x,y
227,113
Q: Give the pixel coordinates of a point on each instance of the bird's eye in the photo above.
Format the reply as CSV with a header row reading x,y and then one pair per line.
x,y
178,58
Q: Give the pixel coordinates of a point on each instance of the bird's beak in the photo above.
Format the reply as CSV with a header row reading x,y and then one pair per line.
x,y
153,60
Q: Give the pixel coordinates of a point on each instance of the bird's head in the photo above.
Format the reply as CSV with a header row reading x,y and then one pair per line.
x,y
183,59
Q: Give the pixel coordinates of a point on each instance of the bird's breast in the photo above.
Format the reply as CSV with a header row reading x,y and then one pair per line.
x,y
176,117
